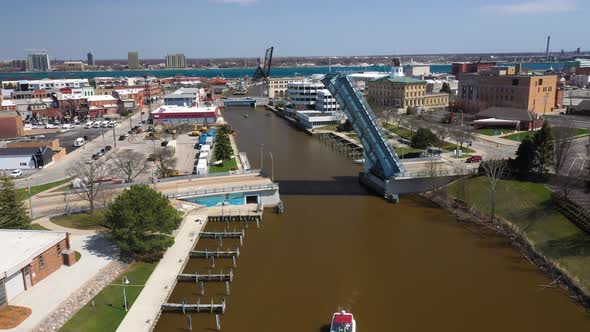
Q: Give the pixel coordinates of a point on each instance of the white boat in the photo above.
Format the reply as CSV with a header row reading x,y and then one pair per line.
x,y
343,322
359,161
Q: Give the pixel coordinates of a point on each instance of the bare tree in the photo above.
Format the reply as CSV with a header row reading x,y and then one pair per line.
x,y
165,160
88,180
494,170
411,123
442,132
129,164
461,134
562,142
396,118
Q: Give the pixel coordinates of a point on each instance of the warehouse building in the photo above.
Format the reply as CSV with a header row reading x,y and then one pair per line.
x,y
25,158
29,256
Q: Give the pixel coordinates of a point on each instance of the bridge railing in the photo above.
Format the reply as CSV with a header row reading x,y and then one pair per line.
x,y
430,174
224,190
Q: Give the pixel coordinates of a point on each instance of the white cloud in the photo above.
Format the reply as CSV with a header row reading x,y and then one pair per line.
x,y
532,7
239,2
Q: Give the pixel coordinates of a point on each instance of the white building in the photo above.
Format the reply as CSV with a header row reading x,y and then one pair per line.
x,y
173,114
315,119
47,84
304,94
175,61
326,102
38,61
25,158
581,81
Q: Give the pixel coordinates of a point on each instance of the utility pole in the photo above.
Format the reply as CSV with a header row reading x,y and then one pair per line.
x,y
114,138
272,167
261,158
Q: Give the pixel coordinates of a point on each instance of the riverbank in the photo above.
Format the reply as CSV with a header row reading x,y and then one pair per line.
x,y
528,221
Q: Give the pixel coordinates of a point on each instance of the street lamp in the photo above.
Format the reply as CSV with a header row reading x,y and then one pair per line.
x,y
261,158
272,167
124,281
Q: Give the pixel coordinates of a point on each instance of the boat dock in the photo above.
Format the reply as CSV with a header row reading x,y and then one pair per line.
x,y
215,253
244,161
210,277
197,307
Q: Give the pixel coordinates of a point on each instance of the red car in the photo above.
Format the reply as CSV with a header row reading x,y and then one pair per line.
x,y
474,159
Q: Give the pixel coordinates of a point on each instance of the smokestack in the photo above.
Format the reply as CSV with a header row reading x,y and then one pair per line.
x,y
547,50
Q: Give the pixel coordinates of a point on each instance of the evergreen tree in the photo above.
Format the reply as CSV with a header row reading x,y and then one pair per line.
x,y
140,222
446,88
423,139
223,149
13,214
543,141
526,157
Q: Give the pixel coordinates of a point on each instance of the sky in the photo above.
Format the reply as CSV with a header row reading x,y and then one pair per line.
x,y
245,28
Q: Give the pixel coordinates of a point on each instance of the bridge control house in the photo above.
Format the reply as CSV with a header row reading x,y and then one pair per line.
x,y
174,115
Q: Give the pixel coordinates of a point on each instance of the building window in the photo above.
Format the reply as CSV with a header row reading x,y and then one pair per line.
x,y
41,262
515,81
540,81
58,249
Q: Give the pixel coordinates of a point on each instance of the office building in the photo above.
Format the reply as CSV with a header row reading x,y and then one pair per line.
x,y
506,87
400,92
90,59
133,60
172,114
175,61
38,61
303,95
459,68
277,87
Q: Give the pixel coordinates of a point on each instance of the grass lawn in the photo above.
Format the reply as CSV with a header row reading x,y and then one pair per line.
x,y
225,167
38,227
352,136
23,193
520,136
109,308
452,147
80,220
490,132
328,127
407,152
527,205
402,132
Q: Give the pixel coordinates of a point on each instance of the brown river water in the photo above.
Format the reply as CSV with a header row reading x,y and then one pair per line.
x,y
397,267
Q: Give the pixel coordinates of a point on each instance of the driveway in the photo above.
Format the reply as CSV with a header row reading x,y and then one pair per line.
x,y
44,297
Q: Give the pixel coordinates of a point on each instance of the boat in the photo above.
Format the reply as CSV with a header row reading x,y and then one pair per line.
x,y
245,115
343,322
359,161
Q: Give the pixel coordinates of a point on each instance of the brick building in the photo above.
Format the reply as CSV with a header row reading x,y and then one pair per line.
x,y
28,257
506,88
470,67
11,124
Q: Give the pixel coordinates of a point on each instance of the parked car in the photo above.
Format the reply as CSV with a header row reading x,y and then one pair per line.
x,y
474,159
50,126
16,173
123,137
95,157
96,124
88,125
108,148
79,141
99,153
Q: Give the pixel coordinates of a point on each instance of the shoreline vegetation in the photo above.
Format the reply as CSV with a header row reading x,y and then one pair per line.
x,y
538,254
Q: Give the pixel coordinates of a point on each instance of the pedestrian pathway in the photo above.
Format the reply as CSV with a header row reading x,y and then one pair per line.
x,y
145,309
46,222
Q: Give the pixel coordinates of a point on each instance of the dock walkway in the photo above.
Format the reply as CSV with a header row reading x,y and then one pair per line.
x,y
144,312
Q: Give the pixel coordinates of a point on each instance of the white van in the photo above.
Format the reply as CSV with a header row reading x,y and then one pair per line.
x,y
88,125
105,124
66,126
96,124
79,141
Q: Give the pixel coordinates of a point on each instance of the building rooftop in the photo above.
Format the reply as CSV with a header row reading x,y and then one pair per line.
x,y
407,80
20,151
183,109
506,113
101,98
19,247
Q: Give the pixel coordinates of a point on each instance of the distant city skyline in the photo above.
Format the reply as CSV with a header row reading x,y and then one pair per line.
x,y
245,28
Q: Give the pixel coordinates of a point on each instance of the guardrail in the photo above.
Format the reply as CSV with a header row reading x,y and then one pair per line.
x,y
430,174
224,190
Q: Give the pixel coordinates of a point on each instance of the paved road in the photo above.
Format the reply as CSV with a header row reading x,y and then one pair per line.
x,y
578,121
578,162
59,170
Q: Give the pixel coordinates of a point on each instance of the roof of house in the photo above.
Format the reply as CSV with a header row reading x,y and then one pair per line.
x,y
21,151
505,113
101,98
403,80
19,247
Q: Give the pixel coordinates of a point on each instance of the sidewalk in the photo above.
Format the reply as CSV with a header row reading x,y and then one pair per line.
x,y
145,310
496,139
